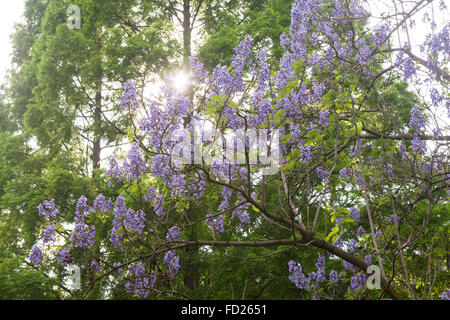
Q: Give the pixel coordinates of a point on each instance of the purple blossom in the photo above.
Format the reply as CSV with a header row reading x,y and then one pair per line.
x,y
355,283
83,236
114,170
354,213
322,174
320,265
416,120
101,205
378,234
352,246
436,133
120,212
48,209
159,205
243,216
418,146
402,150
349,266
172,262
198,69
339,243
324,118
216,224
445,295
94,267
135,166
285,41
368,259
141,284
360,231
296,275
173,233
345,173
359,180
134,220
82,209
436,97
129,98
150,194
49,234
394,220
380,35
64,257
36,255
364,54
354,151
334,276
409,69
305,153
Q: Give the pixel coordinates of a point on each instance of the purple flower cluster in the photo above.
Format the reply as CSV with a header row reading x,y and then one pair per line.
x,y
305,153
394,220
48,209
125,218
101,204
173,233
150,194
36,255
83,236
445,295
418,146
324,118
354,213
216,224
198,69
132,168
243,216
172,262
63,256
226,193
322,174
159,205
94,267
157,199
320,265
142,283
49,234
129,98
416,122
296,275
360,231
352,246
349,266
334,276
357,282
402,150
364,55
409,68
345,173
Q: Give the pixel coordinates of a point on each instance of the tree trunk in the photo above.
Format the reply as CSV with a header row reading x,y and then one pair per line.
x,y
96,149
187,32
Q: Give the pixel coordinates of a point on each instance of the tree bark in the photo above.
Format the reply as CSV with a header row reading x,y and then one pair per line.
x,y
96,149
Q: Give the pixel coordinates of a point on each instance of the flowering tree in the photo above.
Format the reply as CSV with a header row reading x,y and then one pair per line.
x,y
329,148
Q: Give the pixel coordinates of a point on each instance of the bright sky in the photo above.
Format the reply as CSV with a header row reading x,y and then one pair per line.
x,y
10,13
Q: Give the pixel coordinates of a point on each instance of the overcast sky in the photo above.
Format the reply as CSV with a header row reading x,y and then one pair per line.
x,y
10,12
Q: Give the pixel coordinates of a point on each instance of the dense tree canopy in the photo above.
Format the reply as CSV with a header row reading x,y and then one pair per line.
x,y
305,155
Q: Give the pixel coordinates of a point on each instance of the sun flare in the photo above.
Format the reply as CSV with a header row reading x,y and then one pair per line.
x,y
180,80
